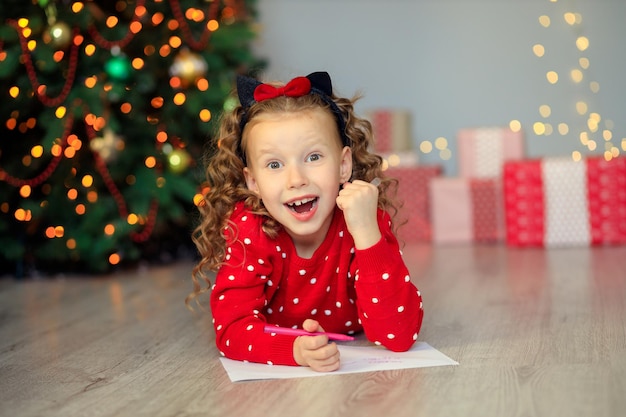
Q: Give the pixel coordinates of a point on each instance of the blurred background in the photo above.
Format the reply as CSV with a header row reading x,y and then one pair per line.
x,y
107,109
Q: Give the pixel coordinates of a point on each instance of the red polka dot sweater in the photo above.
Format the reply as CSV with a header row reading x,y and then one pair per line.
x,y
263,281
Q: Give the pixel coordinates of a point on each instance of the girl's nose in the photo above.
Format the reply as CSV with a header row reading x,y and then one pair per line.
x,y
296,177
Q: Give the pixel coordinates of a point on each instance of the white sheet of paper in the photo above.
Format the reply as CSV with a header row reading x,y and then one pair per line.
x,y
354,359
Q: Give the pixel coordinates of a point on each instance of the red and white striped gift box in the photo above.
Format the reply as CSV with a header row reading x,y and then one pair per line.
x,y
391,129
483,151
556,202
465,210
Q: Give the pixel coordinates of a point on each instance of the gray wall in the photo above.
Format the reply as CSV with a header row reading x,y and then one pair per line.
x,y
458,63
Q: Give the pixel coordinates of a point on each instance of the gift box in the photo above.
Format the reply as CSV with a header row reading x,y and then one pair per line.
x,y
413,217
483,151
391,129
559,202
466,210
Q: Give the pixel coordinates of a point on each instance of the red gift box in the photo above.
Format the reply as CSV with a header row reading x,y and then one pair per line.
x,y
559,202
413,194
483,151
466,210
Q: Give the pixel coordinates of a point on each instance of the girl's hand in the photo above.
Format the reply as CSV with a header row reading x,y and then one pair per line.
x,y
359,202
315,351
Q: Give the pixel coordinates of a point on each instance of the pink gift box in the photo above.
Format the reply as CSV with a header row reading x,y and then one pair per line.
x,y
466,210
413,194
558,202
483,151
392,130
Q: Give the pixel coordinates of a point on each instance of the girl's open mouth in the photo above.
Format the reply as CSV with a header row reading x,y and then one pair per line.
x,y
303,206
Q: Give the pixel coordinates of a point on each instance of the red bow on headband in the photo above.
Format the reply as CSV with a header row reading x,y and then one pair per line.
x,y
297,87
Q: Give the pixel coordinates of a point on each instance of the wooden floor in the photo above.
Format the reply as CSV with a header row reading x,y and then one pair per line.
x,y
536,333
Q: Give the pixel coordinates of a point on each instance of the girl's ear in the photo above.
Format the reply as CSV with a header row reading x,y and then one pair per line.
x,y
250,181
345,168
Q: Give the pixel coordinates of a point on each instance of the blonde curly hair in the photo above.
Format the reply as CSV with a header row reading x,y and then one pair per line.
x,y
226,184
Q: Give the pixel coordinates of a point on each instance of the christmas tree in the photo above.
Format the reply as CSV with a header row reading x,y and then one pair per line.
x,y
106,110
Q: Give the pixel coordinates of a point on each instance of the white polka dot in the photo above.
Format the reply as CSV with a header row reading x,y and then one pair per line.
x,y
302,272
263,277
296,300
228,257
400,309
231,277
341,233
338,304
314,311
414,336
250,327
277,248
419,293
222,353
352,250
326,258
255,311
219,327
228,342
385,276
391,336
261,261
221,297
244,218
374,300
313,280
270,311
377,343
327,312
328,289
250,268
270,363
337,270
270,283
284,255
421,304
365,315
348,323
247,241
407,279
249,348
280,309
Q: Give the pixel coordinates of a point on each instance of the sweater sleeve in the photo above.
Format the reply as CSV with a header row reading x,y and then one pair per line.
x,y
242,288
389,305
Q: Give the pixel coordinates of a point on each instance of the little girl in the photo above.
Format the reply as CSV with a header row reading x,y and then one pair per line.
x,y
298,234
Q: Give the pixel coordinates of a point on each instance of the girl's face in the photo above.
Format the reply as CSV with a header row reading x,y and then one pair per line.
x,y
296,164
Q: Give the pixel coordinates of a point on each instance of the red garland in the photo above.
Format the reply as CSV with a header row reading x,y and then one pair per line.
x,y
32,75
52,166
184,26
119,198
108,45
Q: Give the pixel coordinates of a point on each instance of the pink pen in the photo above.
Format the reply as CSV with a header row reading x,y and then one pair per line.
x,y
299,332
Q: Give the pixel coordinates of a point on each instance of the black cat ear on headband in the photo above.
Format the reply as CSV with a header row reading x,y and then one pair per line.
x,y
245,90
321,81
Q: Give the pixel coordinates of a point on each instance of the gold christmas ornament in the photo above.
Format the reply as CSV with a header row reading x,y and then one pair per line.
x,y
178,161
58,35
188,66
107,146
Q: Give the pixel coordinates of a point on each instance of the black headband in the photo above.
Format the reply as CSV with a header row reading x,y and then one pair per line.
x,y
251,91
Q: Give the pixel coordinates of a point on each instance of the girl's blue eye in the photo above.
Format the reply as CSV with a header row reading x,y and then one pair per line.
x,y
273,165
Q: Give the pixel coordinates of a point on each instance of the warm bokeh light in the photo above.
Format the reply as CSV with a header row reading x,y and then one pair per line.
x,y
515,125
426,146
539,50
552,77
150,162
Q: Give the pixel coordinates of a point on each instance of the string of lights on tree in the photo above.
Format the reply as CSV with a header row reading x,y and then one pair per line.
x,y
106,111
594,131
